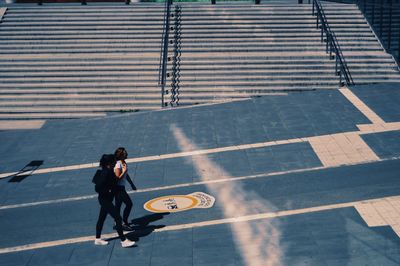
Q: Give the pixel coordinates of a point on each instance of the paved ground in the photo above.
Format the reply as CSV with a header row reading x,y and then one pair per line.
x,y
306,178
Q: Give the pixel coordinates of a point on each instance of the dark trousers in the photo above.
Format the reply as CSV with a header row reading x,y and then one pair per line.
x,y
122,197
107,207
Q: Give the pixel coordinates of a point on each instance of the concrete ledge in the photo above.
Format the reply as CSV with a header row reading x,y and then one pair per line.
x,y
2,12
21,124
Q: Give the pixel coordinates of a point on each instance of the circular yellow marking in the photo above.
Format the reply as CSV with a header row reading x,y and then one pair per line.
x,y
172,203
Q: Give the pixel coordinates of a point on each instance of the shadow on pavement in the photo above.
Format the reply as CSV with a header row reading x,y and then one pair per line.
x,y
141,227
26,171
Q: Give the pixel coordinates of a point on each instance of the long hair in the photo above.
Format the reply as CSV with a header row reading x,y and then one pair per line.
x,y
120,154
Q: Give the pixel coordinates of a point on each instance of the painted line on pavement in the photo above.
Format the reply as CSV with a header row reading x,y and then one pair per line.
x,y
166,156
361,106
222,179
246,218
382,128
376,120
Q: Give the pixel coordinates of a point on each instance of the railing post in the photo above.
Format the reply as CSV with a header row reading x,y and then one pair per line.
x,y
390,25
381,20
213,2
336,66
373,13
398,49
164,51
313,7
365,7
328,39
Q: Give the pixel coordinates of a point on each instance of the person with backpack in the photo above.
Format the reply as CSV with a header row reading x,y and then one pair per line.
x,y
121,196
105,184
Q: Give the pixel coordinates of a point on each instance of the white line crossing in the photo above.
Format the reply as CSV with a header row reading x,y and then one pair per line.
x,y
246,218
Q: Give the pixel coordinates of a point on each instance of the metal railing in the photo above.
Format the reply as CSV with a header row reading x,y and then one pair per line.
x,y
384,18
176,58
332,45
162,73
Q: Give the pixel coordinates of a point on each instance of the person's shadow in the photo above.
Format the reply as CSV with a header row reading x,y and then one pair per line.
x,y
141,227
25,171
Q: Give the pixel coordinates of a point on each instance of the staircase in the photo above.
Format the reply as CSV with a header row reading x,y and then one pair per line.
x,y
79,61
71,61
229,52
384,18
234,51
367,60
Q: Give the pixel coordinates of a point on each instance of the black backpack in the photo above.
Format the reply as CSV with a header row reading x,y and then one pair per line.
x,y
99,178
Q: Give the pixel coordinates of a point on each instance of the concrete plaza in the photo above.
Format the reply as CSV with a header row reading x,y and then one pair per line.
x,y
300,178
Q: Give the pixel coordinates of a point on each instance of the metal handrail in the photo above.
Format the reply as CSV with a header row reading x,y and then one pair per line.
x,y
332,45
162,74
176,58
369,8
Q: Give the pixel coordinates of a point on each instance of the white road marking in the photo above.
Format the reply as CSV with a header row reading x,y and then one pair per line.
x,y
162,156
367,128
360,105
220,180
246,218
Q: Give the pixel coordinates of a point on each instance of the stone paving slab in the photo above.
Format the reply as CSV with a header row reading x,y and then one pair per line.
x,y
385,101
262,119
277,202
385,144
283,192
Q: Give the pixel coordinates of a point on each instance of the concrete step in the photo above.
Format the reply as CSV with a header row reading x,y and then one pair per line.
x,y
25,116
74,110
260,17
51,79
104,32
78,96
81,73
265,81
78,84
253,89
269,49
45,37
303,72
84,90
187,46
87,58
79,50
80,102
132,27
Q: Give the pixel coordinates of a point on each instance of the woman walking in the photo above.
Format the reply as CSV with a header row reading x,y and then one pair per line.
x,y
121,172
105,181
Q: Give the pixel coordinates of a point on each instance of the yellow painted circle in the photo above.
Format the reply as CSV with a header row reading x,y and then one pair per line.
x,y
172,203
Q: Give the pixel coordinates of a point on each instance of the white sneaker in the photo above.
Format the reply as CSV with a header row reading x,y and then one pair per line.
x,y
127,243
100,242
